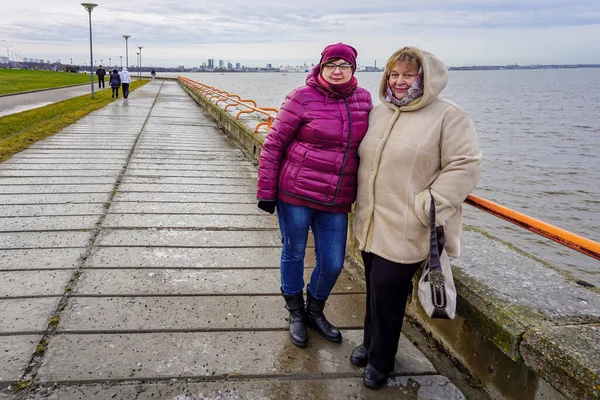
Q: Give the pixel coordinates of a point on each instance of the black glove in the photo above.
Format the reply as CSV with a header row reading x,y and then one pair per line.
x,y
267,205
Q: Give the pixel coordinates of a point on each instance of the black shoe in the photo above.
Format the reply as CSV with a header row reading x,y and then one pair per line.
x,y
359,356
294,303
374,379
316,319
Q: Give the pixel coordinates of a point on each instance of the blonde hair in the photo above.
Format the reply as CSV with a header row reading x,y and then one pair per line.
x,y
405,54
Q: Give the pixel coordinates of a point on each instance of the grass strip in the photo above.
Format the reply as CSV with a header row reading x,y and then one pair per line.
x,y
23,80
21,130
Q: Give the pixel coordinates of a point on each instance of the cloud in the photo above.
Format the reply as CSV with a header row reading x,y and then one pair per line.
x,y
187,33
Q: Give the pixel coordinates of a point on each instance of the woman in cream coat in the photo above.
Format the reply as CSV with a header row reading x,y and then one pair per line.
x,y
418,145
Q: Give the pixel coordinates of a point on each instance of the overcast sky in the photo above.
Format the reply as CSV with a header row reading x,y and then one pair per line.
x,y
254,32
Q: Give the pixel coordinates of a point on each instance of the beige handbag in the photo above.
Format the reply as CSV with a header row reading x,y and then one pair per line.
x,y
437,293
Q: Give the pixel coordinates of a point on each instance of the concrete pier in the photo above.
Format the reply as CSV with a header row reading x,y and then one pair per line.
x,y
135,265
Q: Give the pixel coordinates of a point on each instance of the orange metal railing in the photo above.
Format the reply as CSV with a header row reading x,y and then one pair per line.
x,y
576,242
212,93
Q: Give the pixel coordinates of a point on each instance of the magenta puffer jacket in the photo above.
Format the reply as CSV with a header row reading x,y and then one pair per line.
x,y
311,150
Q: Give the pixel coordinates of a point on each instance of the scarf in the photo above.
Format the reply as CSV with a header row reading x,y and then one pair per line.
x,y
414,91
342,89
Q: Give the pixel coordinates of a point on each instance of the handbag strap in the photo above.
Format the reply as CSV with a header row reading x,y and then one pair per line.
x,y
437,239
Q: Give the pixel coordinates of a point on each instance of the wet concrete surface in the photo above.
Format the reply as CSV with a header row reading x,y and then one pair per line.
x,y
131,245
27,101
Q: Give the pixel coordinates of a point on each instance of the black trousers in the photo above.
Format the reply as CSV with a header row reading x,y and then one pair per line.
x,y
388,284
115,91
125,89
100,82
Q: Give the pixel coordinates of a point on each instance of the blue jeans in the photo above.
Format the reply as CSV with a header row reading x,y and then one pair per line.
x,y
329,230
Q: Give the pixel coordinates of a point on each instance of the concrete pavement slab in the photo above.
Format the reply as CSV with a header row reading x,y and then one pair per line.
x,y
188,238
15,352
38,210
200,167
208,157
198,313
26,315
61,166
35,154
58,172
82,188
60,180
35,240
182,180
61,258
55,222
423,387
34,283
206,221
196,188
85,358
65,160
47,198
183,208
143,282
200,174
177,257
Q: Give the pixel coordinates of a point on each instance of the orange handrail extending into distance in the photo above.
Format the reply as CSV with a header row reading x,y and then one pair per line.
x,y
213,93
566,238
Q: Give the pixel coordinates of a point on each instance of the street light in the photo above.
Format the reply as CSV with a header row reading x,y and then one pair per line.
x,y
126,51
109,62
89,7
7,54
137,59
121,62
140,47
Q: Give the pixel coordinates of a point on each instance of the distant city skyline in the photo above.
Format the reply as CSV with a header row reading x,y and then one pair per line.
x,y
461,32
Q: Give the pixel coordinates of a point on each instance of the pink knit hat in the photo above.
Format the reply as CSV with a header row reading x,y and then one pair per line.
x,y
340,50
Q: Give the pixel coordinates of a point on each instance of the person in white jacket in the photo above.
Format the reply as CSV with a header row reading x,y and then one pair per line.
x,y
125,81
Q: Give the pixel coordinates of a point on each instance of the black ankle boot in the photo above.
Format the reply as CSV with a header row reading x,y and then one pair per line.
x,y
373,378
294,303
359,356
317,321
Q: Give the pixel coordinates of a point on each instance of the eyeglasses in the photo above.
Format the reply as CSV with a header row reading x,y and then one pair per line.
x,y
343,67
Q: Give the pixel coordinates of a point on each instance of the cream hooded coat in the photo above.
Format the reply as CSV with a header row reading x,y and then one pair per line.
x,y
430,144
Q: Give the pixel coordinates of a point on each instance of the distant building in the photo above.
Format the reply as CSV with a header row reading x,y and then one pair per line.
x,y
269,65
237,66
211,63
229,65
221,63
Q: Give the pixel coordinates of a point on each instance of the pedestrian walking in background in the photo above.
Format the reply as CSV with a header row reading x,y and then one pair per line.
x,y
125,81
100,72
419,145
153,73
307,171
115,82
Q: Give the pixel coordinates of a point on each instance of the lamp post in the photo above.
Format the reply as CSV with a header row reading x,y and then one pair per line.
x,y
109,62
140,47
8,54
126,51
137,59
89,7
121,62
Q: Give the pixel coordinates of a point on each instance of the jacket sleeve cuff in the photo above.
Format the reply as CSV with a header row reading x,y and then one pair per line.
x,y
422,204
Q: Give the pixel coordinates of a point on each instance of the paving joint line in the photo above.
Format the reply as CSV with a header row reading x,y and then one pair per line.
x,y
29,376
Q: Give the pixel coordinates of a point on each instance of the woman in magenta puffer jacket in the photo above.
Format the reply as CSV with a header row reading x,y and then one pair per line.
x,y
308,166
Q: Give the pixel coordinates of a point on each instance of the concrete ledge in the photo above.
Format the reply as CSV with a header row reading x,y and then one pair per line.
x,y
567,356
525,329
